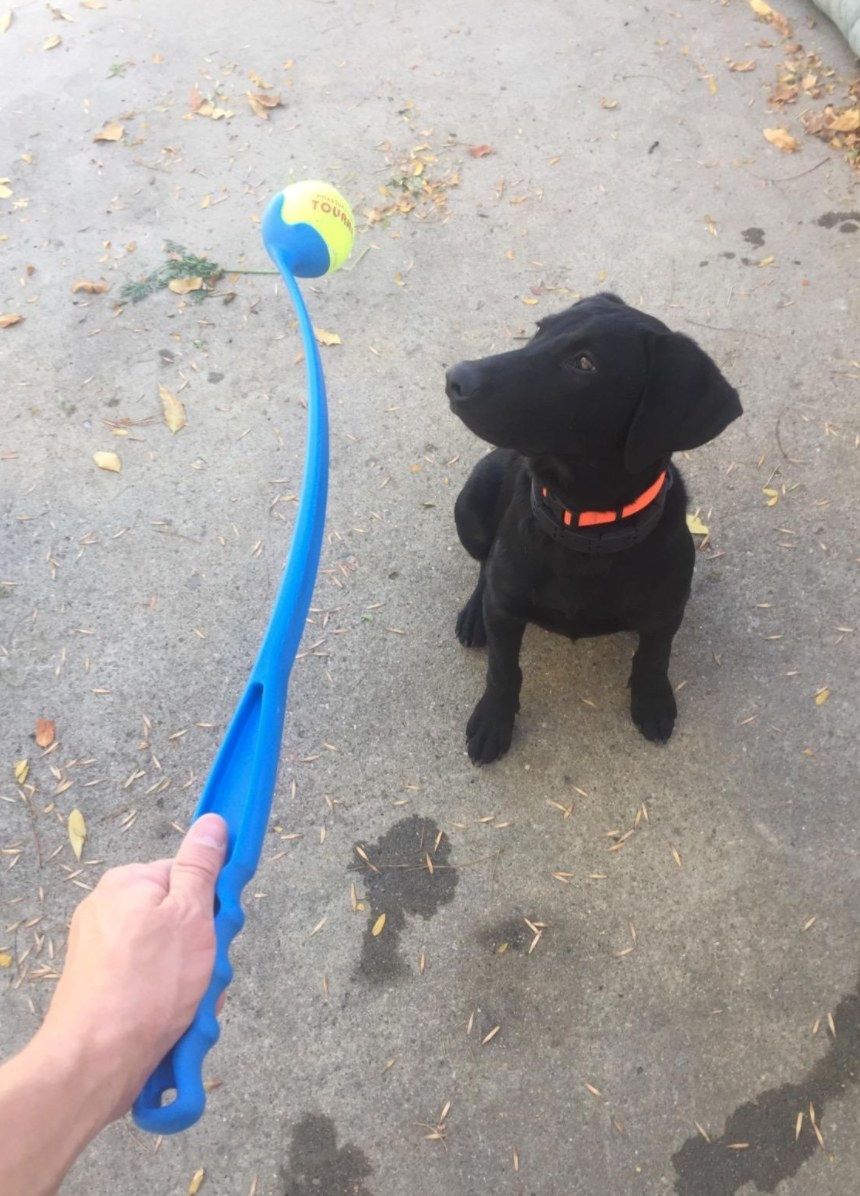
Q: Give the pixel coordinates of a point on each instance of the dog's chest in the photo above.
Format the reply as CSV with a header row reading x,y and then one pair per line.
x,y
587,589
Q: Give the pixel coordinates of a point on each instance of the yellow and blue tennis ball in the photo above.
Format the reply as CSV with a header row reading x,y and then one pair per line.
x,y
309,227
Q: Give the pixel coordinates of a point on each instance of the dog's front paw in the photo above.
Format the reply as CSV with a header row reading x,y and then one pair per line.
x,y
470,623
489,730
653,708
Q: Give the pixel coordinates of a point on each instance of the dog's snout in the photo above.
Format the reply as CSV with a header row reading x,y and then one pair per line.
x,y
461,382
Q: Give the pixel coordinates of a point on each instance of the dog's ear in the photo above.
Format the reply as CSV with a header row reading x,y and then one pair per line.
x,y
686,402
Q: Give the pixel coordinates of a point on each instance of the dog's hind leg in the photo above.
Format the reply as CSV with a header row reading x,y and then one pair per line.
x,y
471,631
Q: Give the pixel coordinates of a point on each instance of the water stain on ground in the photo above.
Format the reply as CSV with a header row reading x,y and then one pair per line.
x,y
767,1123
754,237
408,874
847,222
318,1168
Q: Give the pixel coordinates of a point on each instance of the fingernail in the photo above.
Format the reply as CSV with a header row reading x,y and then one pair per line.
x,y
213,834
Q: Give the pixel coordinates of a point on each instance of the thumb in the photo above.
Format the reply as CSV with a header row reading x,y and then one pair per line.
x,y
198,862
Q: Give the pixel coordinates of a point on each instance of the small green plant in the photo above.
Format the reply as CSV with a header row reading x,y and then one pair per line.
x,y
180,264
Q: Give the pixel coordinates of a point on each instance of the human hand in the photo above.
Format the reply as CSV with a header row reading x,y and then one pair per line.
x,y
140,956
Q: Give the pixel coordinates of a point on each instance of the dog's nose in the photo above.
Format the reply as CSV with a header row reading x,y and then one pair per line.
x,y
461,382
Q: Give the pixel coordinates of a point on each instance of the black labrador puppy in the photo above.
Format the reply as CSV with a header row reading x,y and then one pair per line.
x,y
578,517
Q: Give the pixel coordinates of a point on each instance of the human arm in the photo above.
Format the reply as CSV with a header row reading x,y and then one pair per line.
x,y
140,955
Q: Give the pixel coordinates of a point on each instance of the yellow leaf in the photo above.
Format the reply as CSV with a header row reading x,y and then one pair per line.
x,y
783,140
10,318
5,959
609,105
771,495
749,65
112,132
174,412
822,696
89,288
92,4
181,286
398,278
5,192
53,42
196,1181
206,201
21,770
108,461
260,103
696,526
846,122
46,729
5,21
218,113
378,925
77,832
711,226
767,261
712,84
760,8
326,338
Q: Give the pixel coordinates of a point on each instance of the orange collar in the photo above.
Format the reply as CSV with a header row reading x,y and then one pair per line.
x,y
569,527
592,518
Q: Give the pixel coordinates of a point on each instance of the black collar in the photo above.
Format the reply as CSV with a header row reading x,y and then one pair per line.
x,y
597,533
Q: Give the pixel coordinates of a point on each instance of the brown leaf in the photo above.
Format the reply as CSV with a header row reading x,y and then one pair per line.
x,y
112,132
10,318
846,122
258,81
783,140
749,65
260,103
174,412
89,288
46,730
195,99
181,286
77,832
481,151
108,461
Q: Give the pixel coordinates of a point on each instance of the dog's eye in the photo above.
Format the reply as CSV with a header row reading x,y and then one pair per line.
x,y
581,361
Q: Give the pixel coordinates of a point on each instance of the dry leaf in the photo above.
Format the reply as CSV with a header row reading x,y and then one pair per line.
x,y
481,151
174,412
5,959
783,140
261,103
109,461
326,338
378,925
46,730
609,105
112,132
77,832
181,286
5,191
196,1181
53,42
749,65
845,122
5,20
822,696
771,495
20,771
89,288
760,8
195,99
696,526
711,226
92,4
10,318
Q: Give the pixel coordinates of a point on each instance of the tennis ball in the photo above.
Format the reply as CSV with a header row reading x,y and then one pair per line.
x,y
309,226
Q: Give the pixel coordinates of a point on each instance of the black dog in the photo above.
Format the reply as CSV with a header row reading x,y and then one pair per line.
x,y
578,517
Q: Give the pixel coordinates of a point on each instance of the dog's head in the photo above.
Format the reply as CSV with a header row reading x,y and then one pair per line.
x,y
600,381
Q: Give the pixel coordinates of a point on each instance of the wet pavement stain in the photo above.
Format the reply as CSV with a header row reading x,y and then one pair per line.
x,y
398,882
754,237
767,1123
318,1168
848,222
